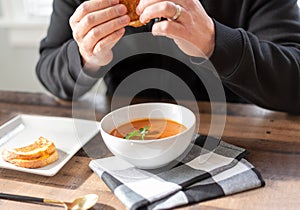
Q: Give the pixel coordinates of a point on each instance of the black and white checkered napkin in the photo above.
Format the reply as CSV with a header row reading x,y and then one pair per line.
x,y
215,173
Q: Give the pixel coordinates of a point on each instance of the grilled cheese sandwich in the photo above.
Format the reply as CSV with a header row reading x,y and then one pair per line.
x,y
39,154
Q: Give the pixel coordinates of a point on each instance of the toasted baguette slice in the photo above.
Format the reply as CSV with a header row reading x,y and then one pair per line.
x,y
41,153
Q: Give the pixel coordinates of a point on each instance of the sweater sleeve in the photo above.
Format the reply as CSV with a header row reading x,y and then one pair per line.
x,y
59,67
261,62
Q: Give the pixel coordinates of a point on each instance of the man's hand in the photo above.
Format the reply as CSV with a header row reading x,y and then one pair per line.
x,y
97,26
189,26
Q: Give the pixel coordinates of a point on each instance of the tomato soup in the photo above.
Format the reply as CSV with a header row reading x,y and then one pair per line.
x,y
154,128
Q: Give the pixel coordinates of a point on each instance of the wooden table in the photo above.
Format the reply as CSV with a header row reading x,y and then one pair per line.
x,y
272,138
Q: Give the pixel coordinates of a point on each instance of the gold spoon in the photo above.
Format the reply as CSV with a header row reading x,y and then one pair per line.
x,y
81,203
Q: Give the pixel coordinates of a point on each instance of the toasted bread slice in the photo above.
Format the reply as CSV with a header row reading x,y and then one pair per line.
x,y
131,7
36,150
41,153
36,163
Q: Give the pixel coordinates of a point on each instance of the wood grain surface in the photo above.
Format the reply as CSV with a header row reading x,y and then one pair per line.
x,y
272,139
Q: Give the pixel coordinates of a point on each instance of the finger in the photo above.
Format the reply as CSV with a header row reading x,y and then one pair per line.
x,y
98,33
169,29
145,3
175,30
96,18
165,9
102,52
90,6
109,41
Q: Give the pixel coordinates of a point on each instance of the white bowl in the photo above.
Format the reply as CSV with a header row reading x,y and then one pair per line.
x,y
149,154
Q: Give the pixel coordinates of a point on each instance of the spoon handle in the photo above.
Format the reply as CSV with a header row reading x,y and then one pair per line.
x,y
21,198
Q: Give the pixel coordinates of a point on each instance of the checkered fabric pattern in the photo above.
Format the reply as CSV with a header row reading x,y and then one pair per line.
x,y
201,175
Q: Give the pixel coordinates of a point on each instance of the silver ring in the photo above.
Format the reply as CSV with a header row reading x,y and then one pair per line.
x,y
178,12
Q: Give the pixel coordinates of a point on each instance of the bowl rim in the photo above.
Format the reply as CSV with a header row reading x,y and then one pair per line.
x,y
150,140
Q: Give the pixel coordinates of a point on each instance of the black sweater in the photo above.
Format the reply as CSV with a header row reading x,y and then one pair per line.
x,y
257,54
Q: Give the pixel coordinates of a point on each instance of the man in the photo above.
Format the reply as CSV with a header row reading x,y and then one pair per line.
x,y
253,45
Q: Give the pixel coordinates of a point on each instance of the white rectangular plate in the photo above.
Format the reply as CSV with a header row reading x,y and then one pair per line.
x,y
68,135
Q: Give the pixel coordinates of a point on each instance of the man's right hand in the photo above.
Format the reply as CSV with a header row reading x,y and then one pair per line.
x,y
97,26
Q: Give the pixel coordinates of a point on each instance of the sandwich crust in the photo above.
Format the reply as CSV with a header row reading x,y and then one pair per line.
x,y
39,154
131,7
36,163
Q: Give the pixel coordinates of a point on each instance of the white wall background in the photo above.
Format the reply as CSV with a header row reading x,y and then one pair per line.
x,y
21,29
17,66
20,33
